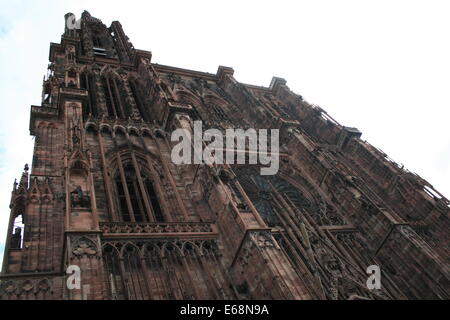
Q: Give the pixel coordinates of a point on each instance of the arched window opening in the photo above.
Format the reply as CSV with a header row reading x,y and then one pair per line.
x,y
136,199
114,96
137,100
92,95
109,105
135,194
87,82
83,81
47,93
17,235
72,73
120,136
154,201
122,94
265,193
97,41
91,135
141,199
122,200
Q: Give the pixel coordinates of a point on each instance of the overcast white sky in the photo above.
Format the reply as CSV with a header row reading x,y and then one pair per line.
x,y
380,66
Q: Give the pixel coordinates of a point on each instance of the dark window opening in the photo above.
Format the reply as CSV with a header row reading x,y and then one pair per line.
x,y
122,201
92,95
154,201
138,101
47,93
72,74
17,236
109,105
88,83
97,42
137,197
87,109
114,94
122,96
83,81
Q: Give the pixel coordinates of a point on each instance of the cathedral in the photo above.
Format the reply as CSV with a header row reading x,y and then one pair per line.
x,y
104,213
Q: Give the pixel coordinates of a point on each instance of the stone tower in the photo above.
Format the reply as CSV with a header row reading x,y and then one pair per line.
x,y
104,195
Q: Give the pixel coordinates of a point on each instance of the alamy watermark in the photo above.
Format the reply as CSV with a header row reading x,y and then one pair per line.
x,y
374,281
74,277
211,147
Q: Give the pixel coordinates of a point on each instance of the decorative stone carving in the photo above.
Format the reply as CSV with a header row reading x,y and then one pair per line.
x,y
84,246
80,199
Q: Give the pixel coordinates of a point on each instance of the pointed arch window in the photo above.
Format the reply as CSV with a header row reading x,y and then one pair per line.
x,y
87,82
115,97
137,99
108,99
97,42
122,95
17,235
135,194
154,200
137,199
122,200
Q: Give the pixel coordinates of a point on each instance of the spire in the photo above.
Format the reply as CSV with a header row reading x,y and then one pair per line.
x,y
24,180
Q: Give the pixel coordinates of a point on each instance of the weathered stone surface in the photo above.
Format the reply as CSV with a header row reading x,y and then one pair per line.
x,y
104,195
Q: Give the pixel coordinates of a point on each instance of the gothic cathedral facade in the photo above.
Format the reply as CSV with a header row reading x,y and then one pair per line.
x,y
104,195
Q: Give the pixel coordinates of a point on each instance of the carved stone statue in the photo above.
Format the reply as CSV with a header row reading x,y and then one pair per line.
x,y
75,136
79,199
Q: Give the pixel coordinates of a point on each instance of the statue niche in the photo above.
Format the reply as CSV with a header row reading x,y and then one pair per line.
x,y
80,199
79,190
